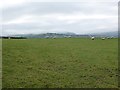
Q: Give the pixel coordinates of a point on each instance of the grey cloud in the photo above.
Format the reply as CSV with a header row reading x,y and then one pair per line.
x,y
41,8
78,27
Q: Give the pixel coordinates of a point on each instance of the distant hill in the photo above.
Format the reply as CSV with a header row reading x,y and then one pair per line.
x,y
107,34
67,35
49,35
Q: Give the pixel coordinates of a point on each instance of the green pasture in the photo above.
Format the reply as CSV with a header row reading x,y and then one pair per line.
x,y
60,63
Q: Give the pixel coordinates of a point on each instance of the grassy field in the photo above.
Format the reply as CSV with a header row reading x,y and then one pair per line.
x,y
60,63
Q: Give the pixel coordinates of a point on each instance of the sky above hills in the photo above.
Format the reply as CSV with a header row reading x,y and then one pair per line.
x,y
36,16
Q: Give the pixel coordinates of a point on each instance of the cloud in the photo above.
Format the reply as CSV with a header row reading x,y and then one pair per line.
x,y
37,17
55,7
11,3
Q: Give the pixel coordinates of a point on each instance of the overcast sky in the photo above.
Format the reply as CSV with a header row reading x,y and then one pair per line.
x,y
33,16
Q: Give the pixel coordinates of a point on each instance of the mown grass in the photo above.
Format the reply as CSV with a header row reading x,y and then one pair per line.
x,y
60,63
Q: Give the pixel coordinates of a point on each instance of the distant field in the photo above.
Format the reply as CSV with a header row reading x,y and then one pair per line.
x,y
60,63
